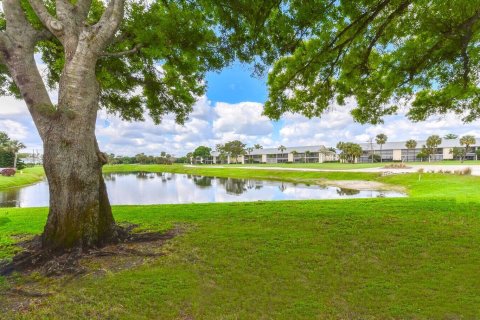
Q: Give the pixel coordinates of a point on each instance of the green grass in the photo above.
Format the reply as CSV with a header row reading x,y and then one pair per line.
x,y
348,166
414,257
329,166
462,188
22,178
239,172
369,259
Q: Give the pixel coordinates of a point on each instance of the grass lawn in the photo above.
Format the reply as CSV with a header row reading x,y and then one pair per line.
x,y
347,166
239,172
386,258
23,177
413,257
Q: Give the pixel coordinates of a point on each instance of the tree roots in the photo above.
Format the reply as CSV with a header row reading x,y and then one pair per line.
x,y
49,263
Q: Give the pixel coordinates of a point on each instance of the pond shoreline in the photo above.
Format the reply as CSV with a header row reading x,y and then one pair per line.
x,y
150,188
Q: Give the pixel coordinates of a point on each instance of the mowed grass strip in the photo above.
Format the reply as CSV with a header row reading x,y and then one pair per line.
x,y
364,258
23,177
239,172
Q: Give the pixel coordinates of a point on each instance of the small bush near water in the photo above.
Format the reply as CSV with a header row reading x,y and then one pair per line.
x,y
396,166
8,172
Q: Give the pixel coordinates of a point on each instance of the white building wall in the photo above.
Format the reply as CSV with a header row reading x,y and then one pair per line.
x,y
397,155
447,154
290,157
264,158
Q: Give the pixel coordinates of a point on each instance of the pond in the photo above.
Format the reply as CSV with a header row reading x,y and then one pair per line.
x,y
170,188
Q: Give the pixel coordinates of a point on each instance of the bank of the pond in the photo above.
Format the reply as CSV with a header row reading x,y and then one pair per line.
x,y
415,184
364,258
239,172
22,178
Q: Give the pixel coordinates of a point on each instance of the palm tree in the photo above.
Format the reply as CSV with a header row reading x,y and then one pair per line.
x,y
282,149
249,151
432,144
450,136
411,144
381,139
14,146
188,157
294,153
467,141
257,146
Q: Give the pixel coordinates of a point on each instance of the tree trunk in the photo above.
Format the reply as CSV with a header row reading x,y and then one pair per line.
x,y
15,156
80,214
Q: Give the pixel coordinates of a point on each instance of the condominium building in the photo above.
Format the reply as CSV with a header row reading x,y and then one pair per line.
x,y
397,151
308,154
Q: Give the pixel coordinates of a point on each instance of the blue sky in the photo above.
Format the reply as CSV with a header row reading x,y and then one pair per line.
x,y
232,109
235,84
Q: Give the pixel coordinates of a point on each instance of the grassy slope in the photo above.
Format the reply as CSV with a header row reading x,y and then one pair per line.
x,y
23,177
287,260
424,185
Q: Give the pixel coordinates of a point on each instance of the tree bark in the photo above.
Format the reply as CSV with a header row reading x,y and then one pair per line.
x,y
80,212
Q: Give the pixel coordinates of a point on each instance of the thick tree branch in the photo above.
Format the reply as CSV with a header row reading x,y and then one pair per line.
x,y
15,16
403,6
109,23
52,24
82,8
3,48
18,51
64,11
122,53
364,19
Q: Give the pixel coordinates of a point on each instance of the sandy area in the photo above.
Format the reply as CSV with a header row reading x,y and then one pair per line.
x,y
426,168
362,185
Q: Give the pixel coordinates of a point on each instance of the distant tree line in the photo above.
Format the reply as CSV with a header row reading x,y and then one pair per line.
x,y
9,152
141,158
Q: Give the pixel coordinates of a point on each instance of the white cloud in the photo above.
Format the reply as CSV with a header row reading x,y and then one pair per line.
x,y
207,125
15,129
210,124
243,118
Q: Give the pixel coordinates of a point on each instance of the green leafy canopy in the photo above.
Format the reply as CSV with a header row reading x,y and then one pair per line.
x,y
383,53
173,43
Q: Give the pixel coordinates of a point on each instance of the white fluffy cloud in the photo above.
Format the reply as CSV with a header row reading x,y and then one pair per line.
x,y
210,124
207,125
338,125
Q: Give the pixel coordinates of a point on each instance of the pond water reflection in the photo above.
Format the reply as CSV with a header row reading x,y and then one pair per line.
x,y
171,188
